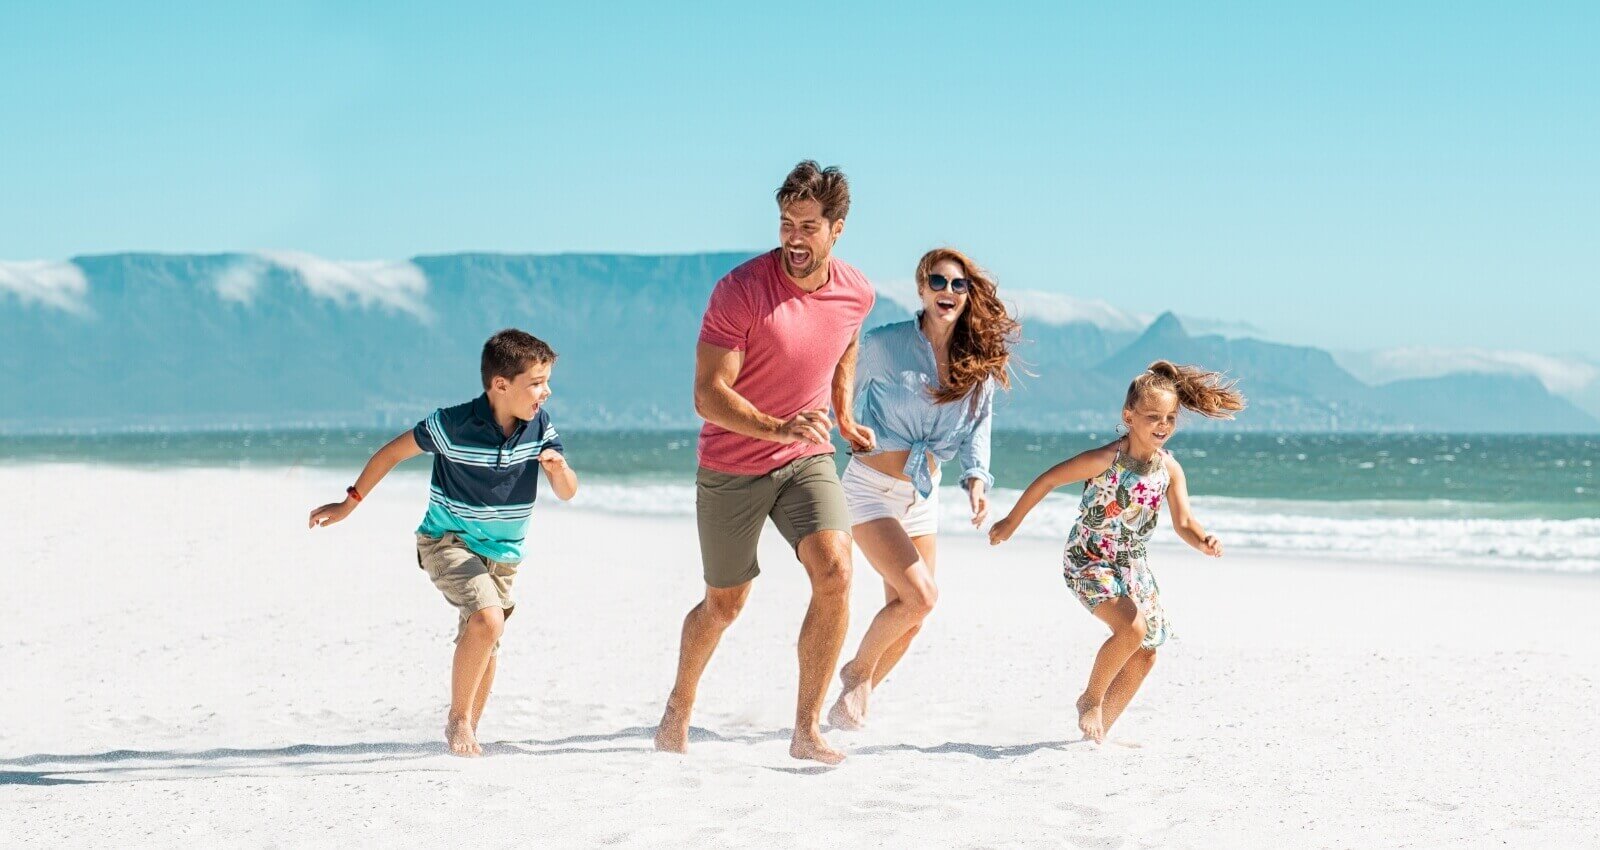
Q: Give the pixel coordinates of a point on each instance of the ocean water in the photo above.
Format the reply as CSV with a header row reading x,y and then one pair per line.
x,y
1478,501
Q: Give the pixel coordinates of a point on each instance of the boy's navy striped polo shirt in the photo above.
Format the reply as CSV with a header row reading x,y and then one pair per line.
x,y
484,482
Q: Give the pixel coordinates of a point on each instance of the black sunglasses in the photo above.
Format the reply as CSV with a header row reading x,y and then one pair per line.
x,y
937,283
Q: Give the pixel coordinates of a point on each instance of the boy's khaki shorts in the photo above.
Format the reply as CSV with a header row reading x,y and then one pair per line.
x,y
469,581
801,497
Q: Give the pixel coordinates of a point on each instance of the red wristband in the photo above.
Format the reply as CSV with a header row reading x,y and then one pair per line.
x,y
353,493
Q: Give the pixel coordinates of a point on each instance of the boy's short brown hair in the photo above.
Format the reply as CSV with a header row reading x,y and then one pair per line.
x,y
511,352
811,182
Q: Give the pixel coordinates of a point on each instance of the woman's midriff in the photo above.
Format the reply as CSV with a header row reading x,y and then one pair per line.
x,y
893,462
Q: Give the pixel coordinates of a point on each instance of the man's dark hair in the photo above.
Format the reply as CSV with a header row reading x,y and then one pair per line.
x,y
511,352
811,182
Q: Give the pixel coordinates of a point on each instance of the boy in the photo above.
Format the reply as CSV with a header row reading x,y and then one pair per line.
x,y
484,484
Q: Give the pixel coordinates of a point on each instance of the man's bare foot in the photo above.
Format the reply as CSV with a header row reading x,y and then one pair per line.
x,y
1089,720
672,736
459,735
809,745
850,711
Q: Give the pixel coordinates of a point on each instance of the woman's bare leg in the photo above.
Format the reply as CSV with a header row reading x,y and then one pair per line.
x,y
928,547
893,555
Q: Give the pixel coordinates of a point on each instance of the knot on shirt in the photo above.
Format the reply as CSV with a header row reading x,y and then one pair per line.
x,y
916,468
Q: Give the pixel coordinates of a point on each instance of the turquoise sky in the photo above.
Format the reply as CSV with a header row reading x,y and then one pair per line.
x,y
1342,174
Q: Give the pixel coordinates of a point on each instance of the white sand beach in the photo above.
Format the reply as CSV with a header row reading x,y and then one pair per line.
x,y
186,664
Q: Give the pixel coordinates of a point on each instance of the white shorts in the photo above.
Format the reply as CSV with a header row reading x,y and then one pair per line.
x,y
871,495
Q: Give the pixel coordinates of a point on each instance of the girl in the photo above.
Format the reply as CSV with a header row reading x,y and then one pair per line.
x,y
1104,561
926,391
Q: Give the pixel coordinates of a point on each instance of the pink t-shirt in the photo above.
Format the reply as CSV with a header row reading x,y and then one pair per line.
x,y
792,341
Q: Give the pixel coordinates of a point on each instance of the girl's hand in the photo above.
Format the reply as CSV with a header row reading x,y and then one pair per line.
x,y
1211,546
1002,531
979,502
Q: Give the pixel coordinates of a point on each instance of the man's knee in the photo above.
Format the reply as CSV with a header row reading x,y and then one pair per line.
x,y
828,559
831,577
723,605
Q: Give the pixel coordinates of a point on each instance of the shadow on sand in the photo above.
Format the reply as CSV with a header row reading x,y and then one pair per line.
x,y
983,751
333,759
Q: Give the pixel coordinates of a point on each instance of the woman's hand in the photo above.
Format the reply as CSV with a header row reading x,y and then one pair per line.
x,y
1211,546
979,502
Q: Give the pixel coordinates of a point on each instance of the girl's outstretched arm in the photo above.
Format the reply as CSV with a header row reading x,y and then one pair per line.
x,y
1183,520
1079,467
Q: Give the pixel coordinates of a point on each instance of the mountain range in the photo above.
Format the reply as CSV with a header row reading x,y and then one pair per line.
x,y
161,341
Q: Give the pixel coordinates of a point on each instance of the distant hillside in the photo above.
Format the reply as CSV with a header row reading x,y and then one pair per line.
x,y
231,340
1478,402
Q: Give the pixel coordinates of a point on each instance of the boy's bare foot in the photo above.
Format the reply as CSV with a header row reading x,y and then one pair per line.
x,y
1089,720
672,736
459,735
809,745
850,711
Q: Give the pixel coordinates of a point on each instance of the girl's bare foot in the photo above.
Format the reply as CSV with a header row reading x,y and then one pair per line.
x,y
850,711
1089,720
809,745
458,734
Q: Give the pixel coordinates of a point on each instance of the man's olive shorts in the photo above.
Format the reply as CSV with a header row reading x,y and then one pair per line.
x,y
802,498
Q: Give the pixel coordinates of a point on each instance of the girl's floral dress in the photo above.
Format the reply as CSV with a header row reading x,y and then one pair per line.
x,y
1105,554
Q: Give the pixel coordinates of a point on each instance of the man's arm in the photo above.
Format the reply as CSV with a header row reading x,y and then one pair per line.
x,y
396,450
715,370
844,382
858,436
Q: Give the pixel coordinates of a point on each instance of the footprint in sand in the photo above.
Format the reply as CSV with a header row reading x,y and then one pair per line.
x,y
1080,810
891,806
1107,841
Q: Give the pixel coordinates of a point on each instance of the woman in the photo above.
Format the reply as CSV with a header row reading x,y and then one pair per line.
x,y
925,392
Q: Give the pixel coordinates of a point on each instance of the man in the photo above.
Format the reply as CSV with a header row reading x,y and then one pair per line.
x,y
779,330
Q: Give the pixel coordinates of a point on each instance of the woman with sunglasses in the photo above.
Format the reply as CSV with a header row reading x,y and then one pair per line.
x,y
925,392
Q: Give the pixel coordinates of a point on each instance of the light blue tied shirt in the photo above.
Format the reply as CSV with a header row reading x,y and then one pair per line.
x,y
895,374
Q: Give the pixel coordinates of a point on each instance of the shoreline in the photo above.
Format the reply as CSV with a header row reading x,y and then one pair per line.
x,y
1252,527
